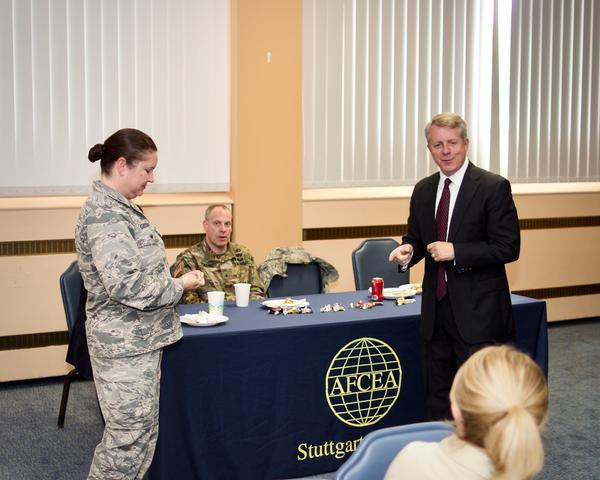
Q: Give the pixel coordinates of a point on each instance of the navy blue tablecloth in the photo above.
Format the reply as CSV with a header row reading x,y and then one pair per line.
x,y
273,397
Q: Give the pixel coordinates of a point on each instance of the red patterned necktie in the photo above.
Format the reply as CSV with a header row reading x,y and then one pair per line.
x,y
441,222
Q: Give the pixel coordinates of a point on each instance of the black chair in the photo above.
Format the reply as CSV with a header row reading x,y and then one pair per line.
x,y
302,279
74,296
370,259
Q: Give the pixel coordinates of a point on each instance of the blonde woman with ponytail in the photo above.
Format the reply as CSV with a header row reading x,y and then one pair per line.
x,y
499,400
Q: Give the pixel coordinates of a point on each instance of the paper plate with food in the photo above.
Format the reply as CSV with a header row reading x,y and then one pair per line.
x,y
417,287
398,292
203,319
285,303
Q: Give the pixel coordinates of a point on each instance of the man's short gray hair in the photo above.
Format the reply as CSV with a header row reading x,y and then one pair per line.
x,y
450,120
210,208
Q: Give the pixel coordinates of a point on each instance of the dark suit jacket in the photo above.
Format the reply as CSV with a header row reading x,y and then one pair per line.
x,y
484,230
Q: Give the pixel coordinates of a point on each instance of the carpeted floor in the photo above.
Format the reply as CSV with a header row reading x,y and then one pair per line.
x,y
32,447
573,429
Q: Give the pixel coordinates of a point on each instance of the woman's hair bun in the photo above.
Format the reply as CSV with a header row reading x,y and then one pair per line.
x,y
96,152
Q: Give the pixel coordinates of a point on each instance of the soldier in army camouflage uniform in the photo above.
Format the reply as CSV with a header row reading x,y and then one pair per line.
x,y
222,262
130,304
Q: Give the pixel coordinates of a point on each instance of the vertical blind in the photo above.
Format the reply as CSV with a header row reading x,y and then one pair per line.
x,y
554,120
375,71
74,71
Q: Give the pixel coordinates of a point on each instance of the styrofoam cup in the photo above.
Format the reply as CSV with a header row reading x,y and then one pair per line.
x,y
242,294
215,302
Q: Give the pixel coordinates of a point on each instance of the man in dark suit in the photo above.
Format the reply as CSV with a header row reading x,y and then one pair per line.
x,y
467,229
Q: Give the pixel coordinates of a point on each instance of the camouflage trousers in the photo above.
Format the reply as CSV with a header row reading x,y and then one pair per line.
x,y
128,391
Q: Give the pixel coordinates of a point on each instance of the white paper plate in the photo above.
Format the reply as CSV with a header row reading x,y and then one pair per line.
x,y
203,319
418,287
393,293
285,303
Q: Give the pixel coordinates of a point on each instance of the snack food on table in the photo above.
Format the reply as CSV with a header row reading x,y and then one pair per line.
x,y
336,307
292,310
404,301
364,305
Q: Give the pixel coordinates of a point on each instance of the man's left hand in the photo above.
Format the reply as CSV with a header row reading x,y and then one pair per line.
x,y
441,251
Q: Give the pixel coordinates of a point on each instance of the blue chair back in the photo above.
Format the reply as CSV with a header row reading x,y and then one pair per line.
x,y
370,259
74,295
302,279
376,451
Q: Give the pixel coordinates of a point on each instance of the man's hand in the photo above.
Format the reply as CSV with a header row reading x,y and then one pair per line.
x,y
441,251
192,280
402,254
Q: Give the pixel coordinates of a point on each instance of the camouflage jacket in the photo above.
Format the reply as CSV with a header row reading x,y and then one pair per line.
x,y
221,271
276,264
131,294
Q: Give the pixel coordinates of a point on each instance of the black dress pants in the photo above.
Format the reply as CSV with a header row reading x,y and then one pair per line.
x,y
442,356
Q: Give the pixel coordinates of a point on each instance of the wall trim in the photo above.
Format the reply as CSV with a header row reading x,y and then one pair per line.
x,y
182,240
33,340
342,233
67,245
558,292
559,222
370,231
185,240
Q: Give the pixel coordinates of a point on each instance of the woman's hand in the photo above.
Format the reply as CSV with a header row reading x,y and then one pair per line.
x,y
192,280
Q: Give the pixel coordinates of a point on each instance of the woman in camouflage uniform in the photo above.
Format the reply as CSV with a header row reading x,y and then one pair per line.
x,y
130,303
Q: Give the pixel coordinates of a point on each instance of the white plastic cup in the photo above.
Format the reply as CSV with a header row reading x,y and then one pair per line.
x,y
215,302
242,294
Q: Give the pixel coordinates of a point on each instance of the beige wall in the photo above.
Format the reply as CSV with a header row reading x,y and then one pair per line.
x,y
266,134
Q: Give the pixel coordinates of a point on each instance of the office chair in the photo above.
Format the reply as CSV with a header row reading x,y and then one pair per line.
x,y
74,297
302,279
377,450
370,259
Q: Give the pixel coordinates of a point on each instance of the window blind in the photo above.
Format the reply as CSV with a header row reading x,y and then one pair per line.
x,y
524,75
74,71
554,121
375,72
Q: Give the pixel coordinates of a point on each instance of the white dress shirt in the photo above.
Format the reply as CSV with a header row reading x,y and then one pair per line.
x,y
456,180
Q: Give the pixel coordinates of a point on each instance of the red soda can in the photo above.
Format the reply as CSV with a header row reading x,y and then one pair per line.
x,y
377,289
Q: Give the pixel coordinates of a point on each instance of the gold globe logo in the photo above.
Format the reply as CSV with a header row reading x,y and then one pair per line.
x,y
363,381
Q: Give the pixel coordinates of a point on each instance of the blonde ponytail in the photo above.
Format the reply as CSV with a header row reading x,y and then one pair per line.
x,y
515,445
503,399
